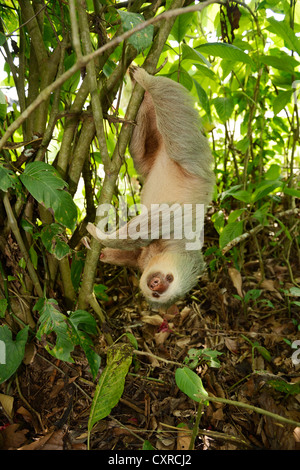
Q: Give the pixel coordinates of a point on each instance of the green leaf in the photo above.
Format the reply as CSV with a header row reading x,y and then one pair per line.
x,y
264,352
11,352
265,188
69,332
283,98
3,106
282,29
148,446
141,39
191,384
54,241
286,63
252,294
230,232
282,386
295,291
188,53
3,307
77,266
218,220
83,323
52,320
203,98
85,320
7,179
273,173
224,108
225,51
111,384
234,215
181,26
2,38
292,192
206,72
47,187
99,290
242,195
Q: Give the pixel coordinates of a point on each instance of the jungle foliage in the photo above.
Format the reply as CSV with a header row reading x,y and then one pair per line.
x,y
66,114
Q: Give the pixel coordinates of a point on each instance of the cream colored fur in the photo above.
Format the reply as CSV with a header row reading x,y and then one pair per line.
x,y
172,154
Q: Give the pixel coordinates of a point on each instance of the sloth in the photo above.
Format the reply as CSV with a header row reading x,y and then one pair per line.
x,y
173,157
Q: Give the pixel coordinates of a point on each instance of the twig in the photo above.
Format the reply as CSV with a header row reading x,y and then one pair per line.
x,y
196,426
75,30
256,409
91,72
15,229
28,404
167,361
209,433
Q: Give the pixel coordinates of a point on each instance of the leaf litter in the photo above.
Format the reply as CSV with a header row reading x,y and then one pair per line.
x,y
50,402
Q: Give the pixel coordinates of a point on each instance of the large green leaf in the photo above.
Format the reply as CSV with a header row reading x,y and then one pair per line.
x,y
224,107
111,384
53,321
141,39
230,232
52,237
181,26
191,384
283,98
11,352
225,51
286,63
83,324
203,98
265,188
47,187
69,331
7,178
188,53
283,29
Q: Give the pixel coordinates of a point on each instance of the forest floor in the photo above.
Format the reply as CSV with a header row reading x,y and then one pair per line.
x,y
52,399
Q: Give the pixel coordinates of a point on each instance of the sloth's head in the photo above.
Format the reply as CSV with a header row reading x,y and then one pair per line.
x,y
169,276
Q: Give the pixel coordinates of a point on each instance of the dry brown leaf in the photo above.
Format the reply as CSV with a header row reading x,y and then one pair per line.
x,y
25,413
7,403
218,415
30,352
297,434
236,278
155,320
51,441
161,336
185,313
183,342
13,438
183,438
268,284
231,344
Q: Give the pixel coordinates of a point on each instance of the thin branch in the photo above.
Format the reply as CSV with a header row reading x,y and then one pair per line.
x,y
15,229
256,409
91,71
75,30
